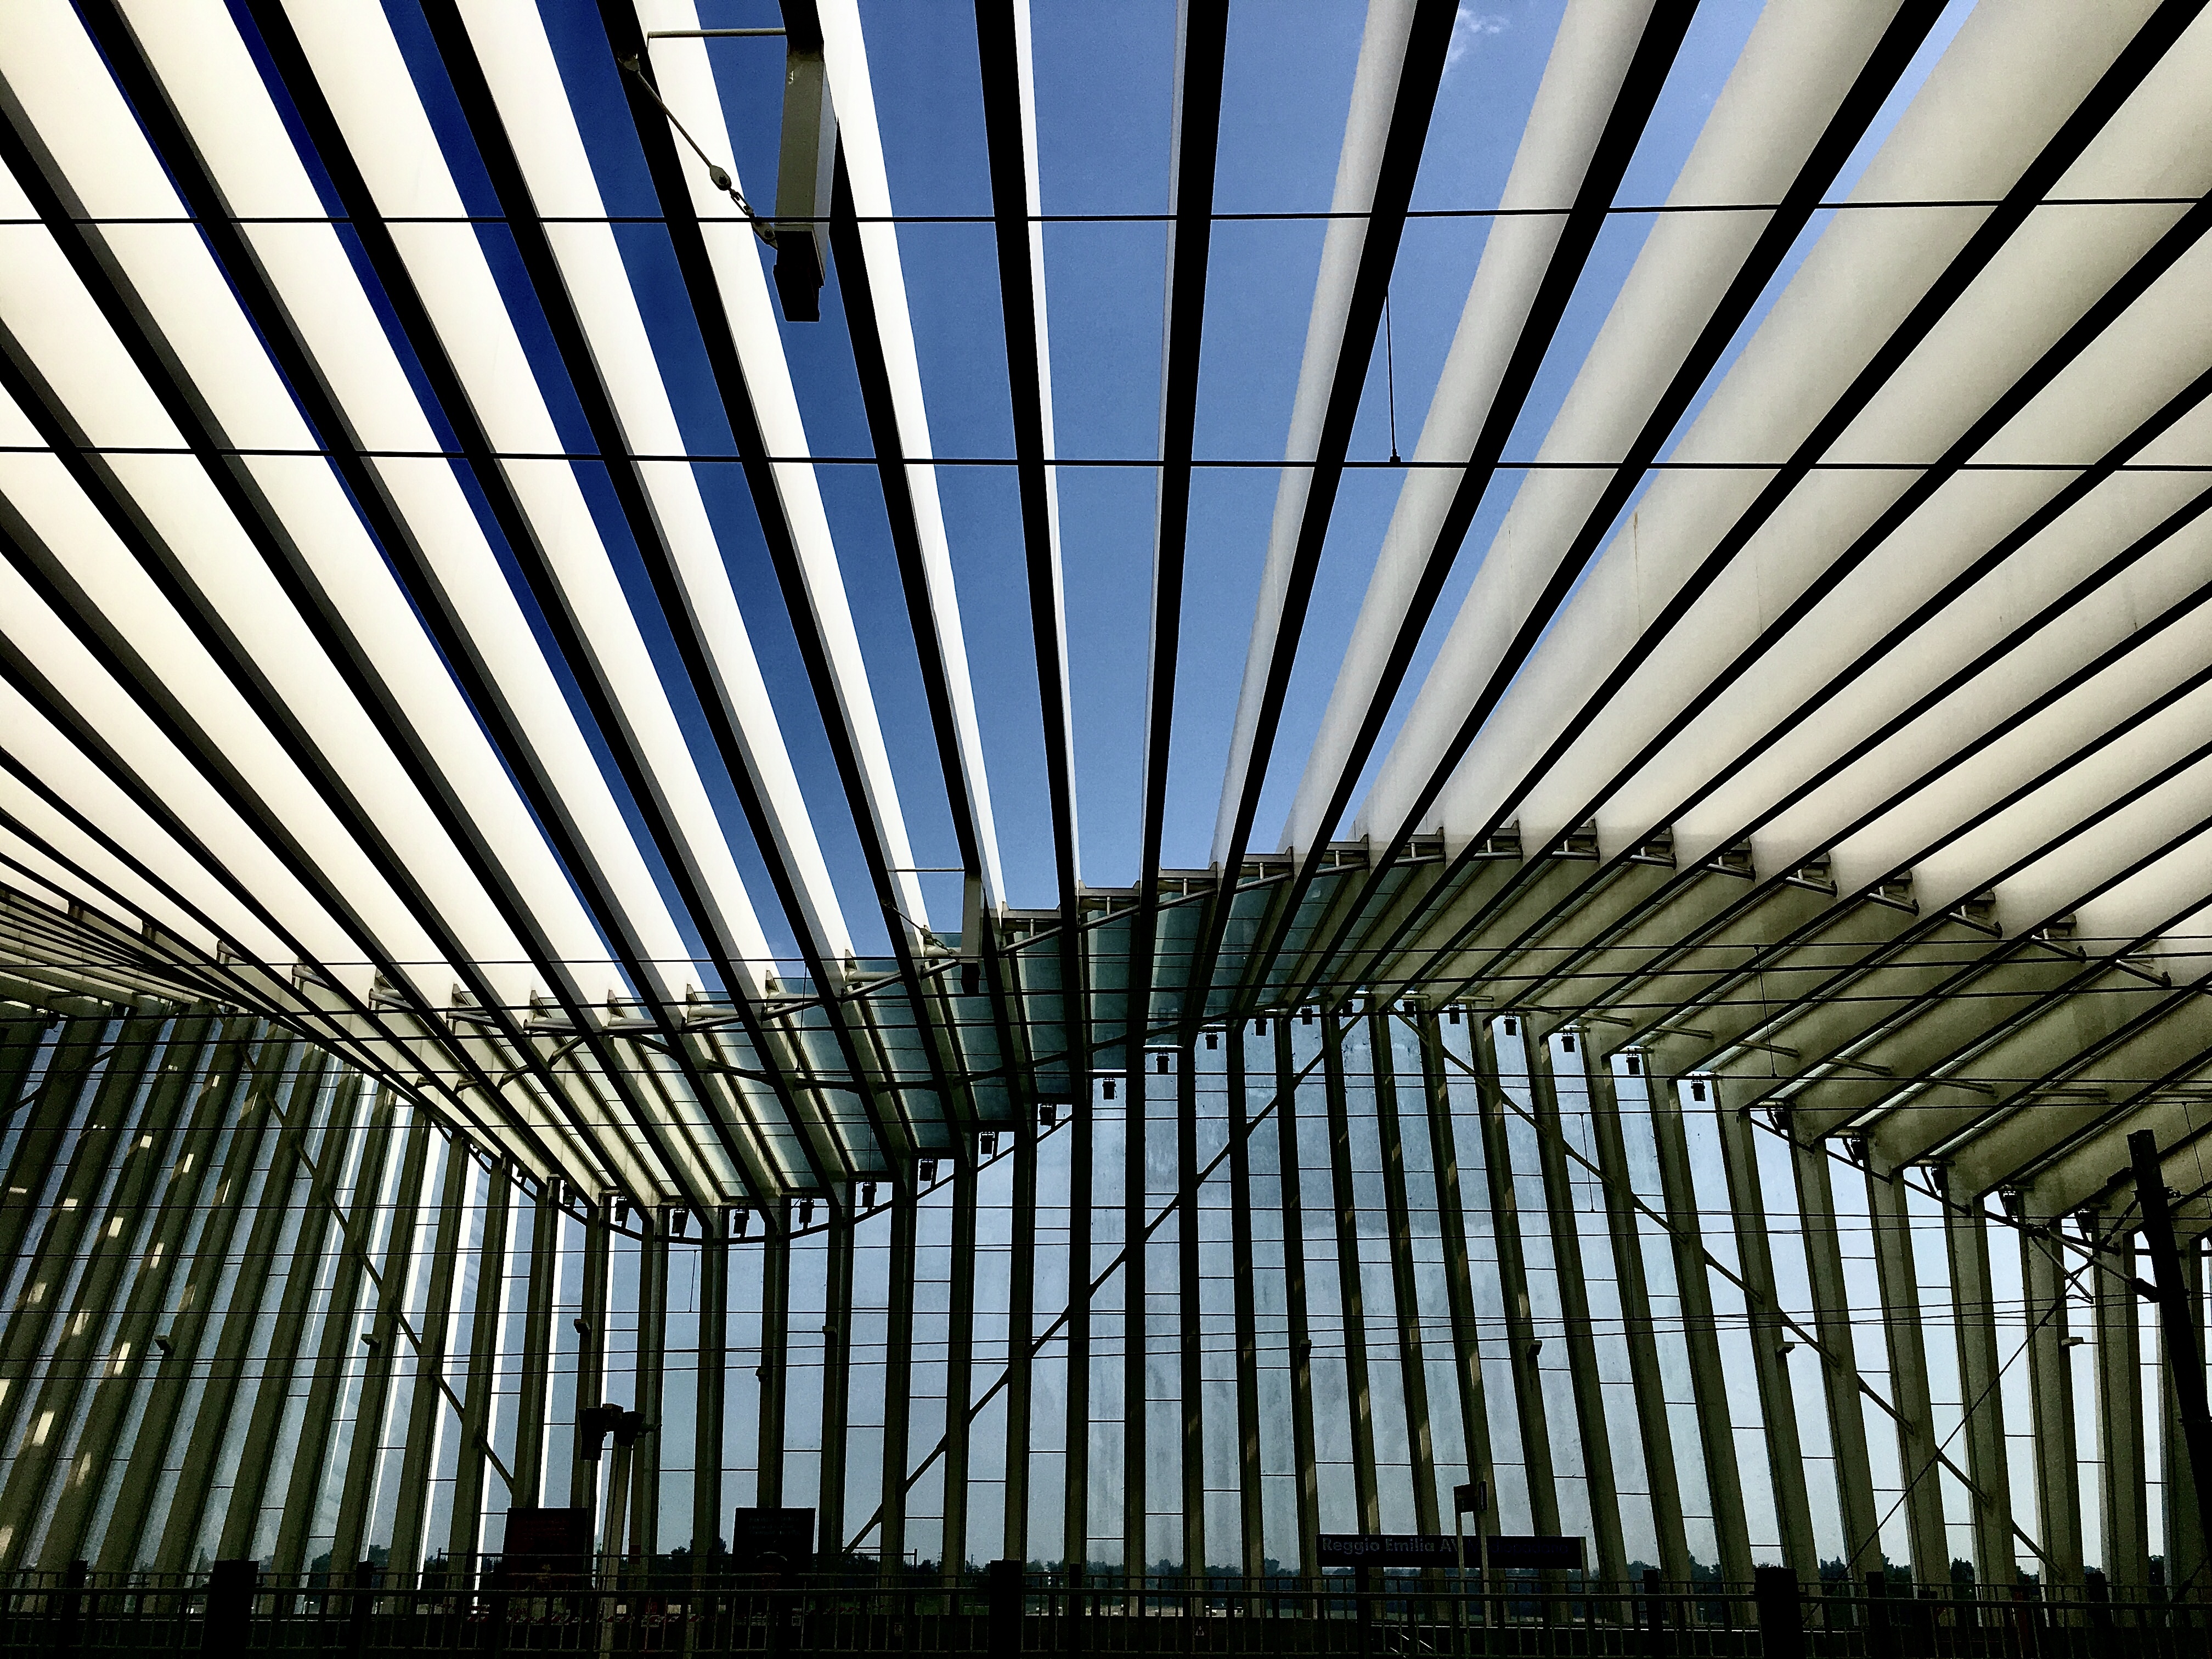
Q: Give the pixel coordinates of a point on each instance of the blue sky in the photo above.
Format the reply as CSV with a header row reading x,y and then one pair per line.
x,y
1104,77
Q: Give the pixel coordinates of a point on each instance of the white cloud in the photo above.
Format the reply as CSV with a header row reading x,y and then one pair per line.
x,y
1469,27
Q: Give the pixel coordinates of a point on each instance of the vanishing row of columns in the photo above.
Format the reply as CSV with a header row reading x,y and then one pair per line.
x,y
257,1305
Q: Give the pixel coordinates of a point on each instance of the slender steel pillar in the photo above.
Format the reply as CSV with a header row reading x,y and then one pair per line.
x,y
1708,1380
711,1389
350,1295
317,1195
1582,1377
1451,1220
959,1362
1908,1371
2122,1491
190,1511
1770,1339
1187,1307
1251,1510
1521,1345
1137,1293
2051,1392
1413,1357
2183,1507
427,1404
898,1385
650,1393
101,1340
1350,1292
381,1352
1832,1323
591,1357
1021,1323
776,1348
1294,1278
1973,1305
1624,1229
837,1368
1075,1496
534,1386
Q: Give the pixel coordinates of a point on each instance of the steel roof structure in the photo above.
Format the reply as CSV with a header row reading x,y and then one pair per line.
x,y
1818,744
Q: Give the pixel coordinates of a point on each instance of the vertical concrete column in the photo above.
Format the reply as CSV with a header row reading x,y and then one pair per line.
x,y
713,1385
1451,1220
649,1391
1565,1229
190,1511
1513,1285
2184,1527
2050,1393
1190,1330
898,1373
99,1339
1075,1493
1832,1323
1021,1340
473,1462
1777,1401
43,1322
186,1172
428,1402
1251,1511
2122,1492
1623,1231
260,1471
776,1350
591,1356
1350,1292
1966,1239
533,1385
1708,1380
1294,1278
1412,1358
1136,1293
1908,1372
959,1367
379,1353
837,1371
343,1328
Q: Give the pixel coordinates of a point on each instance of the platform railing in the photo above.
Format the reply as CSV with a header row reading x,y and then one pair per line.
x,y
490,1606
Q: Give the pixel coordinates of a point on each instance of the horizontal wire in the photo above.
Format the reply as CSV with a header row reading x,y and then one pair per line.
x,y
1093,462
1217,217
